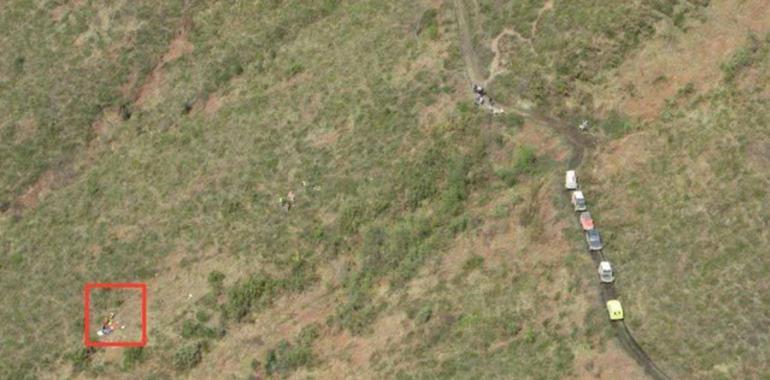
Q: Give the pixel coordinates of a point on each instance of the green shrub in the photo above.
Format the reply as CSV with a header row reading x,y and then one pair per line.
x,y
421,187
456,190
216,280
686,90
202,316
421,177
525,162
679,19
294,70
188,356
740,59
246,295
301,275
193,329
308,335
616,125
424,314
663,6
132,356
357,314
288,357
80,359
513,120
351,218
429,24
474,262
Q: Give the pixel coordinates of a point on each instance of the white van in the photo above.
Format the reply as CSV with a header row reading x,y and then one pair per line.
x,y
570,181
578,200
605,272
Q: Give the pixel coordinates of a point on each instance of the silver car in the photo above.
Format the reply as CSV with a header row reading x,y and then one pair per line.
x,y
594,240
605,272
578,200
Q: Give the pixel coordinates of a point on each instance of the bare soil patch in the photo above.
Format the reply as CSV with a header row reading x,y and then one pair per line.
x,y
546,7
178,47
213,104
324,138
58,13
151,86
25,129
38,190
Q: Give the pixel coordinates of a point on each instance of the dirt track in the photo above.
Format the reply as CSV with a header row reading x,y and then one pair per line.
x,y
606,293
579,144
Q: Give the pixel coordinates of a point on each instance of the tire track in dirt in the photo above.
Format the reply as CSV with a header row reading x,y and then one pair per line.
x,y
495,68
607,292
579,143
466,43
546,7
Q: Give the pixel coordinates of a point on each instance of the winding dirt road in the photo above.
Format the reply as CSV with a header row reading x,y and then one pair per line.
x,y
579,144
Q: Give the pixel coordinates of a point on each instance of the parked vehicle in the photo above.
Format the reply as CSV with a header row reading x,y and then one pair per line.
x,y
586,221
615,309
578,200
570,180
594,240
605,272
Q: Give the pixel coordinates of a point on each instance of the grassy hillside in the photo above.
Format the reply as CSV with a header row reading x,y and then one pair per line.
x,y
224,121
151,142
693,215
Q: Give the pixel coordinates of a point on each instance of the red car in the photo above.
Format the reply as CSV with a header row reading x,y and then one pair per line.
x,y
586,221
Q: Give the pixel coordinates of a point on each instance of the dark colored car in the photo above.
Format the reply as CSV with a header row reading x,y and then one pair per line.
x,y
594,240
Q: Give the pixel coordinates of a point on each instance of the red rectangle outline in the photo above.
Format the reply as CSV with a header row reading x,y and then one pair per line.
x,y
119,285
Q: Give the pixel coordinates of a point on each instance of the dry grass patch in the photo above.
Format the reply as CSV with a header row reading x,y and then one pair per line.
x,y
608,364
675,58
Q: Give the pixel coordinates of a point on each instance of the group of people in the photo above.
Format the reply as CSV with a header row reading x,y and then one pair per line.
x,y
108,326
481,95
483,100
288,202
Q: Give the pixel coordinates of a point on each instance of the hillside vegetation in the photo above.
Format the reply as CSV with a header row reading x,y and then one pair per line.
x,y
158,142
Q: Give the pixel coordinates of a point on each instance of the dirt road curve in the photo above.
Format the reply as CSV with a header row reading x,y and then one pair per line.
x,y
579,143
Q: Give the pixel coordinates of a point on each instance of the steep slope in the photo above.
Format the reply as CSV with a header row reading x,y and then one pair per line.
x,y
153,142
